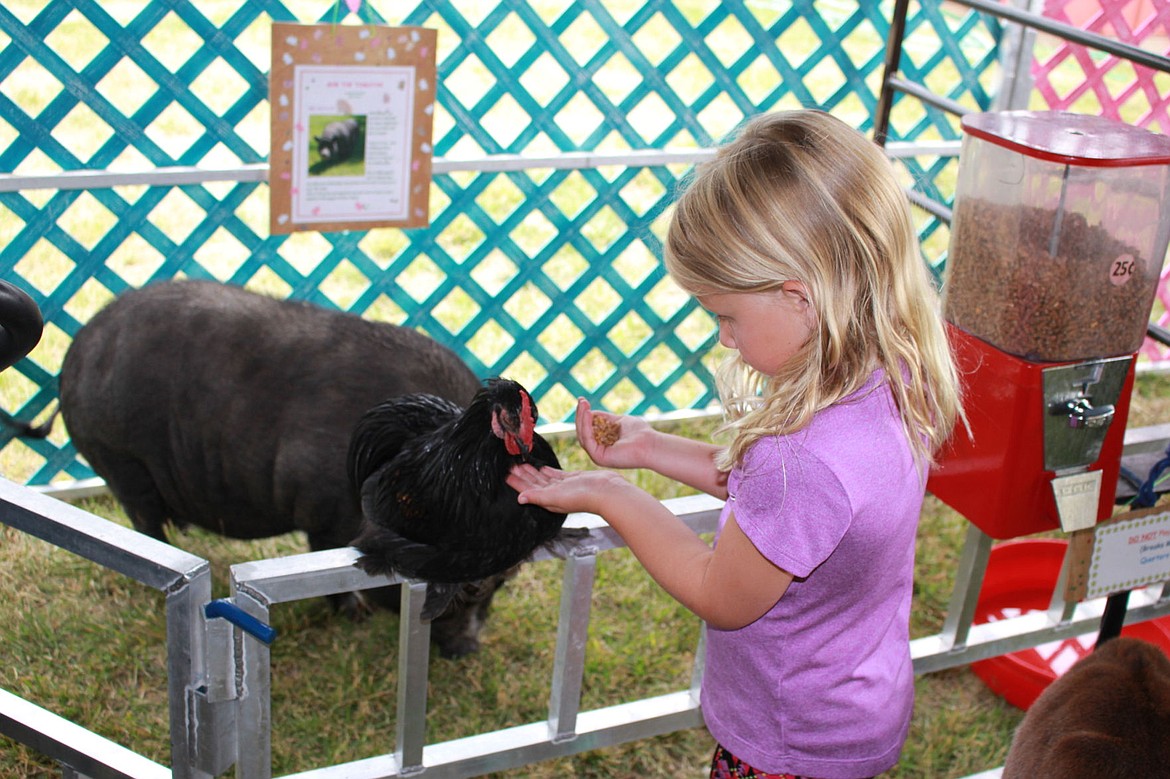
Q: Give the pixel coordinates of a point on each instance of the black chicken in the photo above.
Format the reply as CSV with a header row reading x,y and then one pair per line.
x,y
431,479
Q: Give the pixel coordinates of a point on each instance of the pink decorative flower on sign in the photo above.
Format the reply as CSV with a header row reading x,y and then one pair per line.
x,y
354,5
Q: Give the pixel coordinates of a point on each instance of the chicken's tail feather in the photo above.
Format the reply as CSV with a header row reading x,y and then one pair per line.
x,y
374,565
567,541
383,430
385,551
439,597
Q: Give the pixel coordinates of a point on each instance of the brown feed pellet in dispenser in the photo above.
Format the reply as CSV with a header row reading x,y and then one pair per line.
x,y
1041,306
606,431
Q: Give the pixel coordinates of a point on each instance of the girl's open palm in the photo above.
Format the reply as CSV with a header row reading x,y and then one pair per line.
x,y
564,491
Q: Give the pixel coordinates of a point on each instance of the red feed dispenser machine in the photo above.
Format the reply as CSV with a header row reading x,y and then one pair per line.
x,y
1058,235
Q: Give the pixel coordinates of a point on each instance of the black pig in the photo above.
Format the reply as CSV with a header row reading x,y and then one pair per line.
x,y
205,404
338,140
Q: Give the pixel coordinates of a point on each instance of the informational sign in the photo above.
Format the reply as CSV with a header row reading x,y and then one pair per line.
x,y
1129,551
352,113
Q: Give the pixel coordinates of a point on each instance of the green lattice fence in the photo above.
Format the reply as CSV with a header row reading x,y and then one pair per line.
x,y
548,271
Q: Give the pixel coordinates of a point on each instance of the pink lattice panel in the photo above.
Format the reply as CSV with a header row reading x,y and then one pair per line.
x,y
1111,86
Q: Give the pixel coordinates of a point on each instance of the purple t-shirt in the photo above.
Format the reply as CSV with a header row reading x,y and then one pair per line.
x,y
822,685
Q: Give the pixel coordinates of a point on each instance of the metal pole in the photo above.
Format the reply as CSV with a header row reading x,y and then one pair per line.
x,y
572,636
881,120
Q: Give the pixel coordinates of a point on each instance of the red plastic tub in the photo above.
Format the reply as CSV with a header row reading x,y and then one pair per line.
x,y
1020,578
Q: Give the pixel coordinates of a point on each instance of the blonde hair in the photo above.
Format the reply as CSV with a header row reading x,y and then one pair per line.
x,y
800,195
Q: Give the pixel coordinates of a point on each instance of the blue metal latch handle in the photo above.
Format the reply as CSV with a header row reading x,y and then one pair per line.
x,y
243,620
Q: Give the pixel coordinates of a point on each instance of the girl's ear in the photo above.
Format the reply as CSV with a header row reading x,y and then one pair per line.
x,y
797,292
796,289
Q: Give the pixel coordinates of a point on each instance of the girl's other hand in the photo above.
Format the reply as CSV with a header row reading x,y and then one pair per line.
x,y
629,448
565,491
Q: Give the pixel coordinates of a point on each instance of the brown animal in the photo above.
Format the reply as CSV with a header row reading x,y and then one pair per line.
x,y
1108,717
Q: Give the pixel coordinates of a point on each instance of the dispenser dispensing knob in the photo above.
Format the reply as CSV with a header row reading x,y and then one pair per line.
x,y
1082,413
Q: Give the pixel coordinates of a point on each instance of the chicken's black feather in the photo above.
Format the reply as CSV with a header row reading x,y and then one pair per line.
x,y
431,479
382,431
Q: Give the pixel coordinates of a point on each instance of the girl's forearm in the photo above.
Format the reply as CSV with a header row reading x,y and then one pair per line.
x,y
728,586
671,552
688,461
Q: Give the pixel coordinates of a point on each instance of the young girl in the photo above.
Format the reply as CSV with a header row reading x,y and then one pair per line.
x,y
797,237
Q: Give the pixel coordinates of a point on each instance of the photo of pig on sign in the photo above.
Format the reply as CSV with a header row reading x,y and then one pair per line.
x,y
352,111
337,146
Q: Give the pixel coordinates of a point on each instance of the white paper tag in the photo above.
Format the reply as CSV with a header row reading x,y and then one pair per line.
x,y
1077,496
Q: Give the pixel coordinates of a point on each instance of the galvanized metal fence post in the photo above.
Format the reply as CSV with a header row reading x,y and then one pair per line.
x,y
413,669
572,636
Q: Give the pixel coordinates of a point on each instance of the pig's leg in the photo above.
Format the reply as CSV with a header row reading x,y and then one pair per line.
x,y
134,487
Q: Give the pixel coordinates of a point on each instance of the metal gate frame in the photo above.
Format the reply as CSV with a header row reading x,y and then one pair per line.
x,y
258,585
195,725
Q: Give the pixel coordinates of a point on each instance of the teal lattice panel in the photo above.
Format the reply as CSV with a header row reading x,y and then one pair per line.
x,y
550,274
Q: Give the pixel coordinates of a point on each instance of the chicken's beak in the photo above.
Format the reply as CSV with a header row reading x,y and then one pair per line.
x,y
516,446
516,442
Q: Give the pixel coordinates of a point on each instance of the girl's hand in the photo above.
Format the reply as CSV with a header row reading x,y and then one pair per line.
x,y
565,491
633,443
629,450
